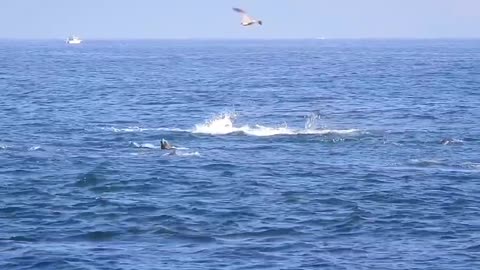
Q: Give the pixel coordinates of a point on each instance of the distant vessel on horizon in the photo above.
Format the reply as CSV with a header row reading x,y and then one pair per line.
x,y
74,40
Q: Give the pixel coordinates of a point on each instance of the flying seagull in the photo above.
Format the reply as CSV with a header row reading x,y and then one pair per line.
x,y
247,20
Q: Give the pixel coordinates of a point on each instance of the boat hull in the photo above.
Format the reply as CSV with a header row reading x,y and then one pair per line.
x,y
74,41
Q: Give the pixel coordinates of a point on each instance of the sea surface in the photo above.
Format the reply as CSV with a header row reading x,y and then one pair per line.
x,y
290,154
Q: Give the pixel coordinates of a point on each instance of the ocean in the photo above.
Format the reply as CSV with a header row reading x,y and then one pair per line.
x,y
290,154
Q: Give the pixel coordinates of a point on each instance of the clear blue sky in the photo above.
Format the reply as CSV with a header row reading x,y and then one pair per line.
x,y
214,18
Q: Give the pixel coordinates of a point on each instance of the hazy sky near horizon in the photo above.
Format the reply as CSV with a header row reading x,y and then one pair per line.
x,y
108,19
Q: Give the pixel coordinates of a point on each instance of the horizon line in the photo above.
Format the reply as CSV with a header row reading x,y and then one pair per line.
x,y
320,38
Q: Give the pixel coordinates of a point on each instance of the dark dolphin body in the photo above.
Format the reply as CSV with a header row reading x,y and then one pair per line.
x,y
164,144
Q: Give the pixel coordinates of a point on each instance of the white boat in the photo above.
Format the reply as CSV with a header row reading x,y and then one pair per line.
x,y
74,40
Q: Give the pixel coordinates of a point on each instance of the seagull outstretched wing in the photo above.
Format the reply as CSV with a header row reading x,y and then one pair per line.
x,y
246,19
239,10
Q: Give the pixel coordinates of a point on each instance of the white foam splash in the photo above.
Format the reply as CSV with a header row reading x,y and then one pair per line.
x,y
3,146
188,154
263,131
35,148
312,121
426,162
144,145
451,141
224,124
220,125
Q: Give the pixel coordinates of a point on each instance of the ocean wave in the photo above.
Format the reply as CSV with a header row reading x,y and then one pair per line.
x,y
448,141
144,145
140,129
224,124
471,165
183,154
427,163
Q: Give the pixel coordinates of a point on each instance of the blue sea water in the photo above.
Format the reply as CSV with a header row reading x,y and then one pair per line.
x,y
313,154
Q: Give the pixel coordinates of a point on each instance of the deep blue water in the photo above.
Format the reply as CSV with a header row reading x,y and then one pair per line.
x,y
342,155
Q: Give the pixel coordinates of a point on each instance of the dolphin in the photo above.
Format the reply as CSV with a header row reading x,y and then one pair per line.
x,y
165,145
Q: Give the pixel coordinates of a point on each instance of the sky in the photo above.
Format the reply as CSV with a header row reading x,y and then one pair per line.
x,y
172,19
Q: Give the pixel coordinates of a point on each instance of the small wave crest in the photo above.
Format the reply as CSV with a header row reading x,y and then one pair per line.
x,y
144,145
35,148
188,154
140,129
448,141
444,164
183,154
426,162
179,153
